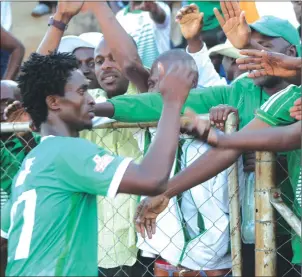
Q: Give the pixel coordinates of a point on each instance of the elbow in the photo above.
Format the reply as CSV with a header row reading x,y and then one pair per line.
x,y
131,66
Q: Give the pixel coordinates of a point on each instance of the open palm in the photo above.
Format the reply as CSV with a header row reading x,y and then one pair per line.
x,y
234,24
190,21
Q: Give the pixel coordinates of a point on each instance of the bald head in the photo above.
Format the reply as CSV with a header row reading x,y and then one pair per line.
x,y
175,56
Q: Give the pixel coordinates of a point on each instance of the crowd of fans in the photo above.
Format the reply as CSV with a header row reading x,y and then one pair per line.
x,y
153,61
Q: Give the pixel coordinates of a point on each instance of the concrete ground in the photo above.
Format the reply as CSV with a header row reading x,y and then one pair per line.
x,y
30,30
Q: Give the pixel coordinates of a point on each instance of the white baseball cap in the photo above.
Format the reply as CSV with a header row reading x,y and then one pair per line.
x,y
225,49
86,40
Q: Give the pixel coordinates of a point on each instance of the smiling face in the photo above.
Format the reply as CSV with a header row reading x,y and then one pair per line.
x,y
76,107
108,72
85,57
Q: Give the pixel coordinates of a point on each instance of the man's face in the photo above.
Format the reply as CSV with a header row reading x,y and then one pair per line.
x,y
85,57
154,79
108,72
231,68
298,10
273,44
76,107
9,94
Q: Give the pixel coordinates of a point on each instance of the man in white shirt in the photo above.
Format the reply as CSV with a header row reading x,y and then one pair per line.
x,y
149,24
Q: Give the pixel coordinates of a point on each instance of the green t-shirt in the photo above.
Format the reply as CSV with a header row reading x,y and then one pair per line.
x,y
53,230
209,19
242,94
13,152
275,112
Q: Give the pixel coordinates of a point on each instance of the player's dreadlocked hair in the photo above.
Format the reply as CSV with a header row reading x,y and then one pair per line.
x,y
42,76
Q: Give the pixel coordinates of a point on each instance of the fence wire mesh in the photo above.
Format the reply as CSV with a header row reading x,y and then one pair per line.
x,y
200,232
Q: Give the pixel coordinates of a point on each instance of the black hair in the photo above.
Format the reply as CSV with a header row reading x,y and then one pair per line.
x,y
42,76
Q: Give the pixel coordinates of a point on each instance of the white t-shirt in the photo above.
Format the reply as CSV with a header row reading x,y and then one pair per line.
x,y
6,15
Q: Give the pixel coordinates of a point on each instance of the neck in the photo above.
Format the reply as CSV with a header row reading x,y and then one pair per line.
x,y
58,129
279,86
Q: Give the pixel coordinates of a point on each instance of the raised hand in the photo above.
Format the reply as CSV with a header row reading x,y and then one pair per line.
x,y
234,24
296,110
175,82
190,21
69,8
147,212
199,128
264,63
219,115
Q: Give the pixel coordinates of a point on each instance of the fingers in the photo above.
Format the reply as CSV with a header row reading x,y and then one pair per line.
x,y
257,73
242,18
251,52
236,8
298,103
219,17
148,227
230,10
186,10
224,11
250,60
161,70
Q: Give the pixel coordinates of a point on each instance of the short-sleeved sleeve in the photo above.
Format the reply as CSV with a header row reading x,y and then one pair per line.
x,y
84,167
275,111
5,219
148,106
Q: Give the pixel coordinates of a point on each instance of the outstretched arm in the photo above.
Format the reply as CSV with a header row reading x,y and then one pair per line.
x,y
126,56
16,50
264,63
65,11
150,177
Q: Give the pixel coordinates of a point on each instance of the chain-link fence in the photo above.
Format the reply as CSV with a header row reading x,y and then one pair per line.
x,y
200,232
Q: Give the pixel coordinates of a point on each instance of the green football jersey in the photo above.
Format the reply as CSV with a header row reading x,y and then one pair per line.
x,y
275,112
53,227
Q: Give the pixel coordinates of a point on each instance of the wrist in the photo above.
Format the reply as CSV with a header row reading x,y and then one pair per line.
x,y
195,44
62,17
173,103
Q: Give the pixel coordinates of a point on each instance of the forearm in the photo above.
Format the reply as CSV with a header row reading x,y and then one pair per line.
x,y
158,15
206,167
105,109
270,139
14,63
195,44
127,56
53,36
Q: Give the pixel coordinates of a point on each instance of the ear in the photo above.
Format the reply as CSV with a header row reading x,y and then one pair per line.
x,y
53,102
291,51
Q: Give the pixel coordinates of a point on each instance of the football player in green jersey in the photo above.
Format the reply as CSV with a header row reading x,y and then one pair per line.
x,y
53,225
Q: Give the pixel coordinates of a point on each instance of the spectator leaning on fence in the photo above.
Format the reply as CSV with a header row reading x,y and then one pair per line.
x,y
282,109
244,94
148,22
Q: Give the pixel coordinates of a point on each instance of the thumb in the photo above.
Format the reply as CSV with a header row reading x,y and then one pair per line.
x,y
201,15
242,18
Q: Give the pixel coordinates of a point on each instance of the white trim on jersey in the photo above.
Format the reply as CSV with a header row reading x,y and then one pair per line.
x,y
118,176
4,234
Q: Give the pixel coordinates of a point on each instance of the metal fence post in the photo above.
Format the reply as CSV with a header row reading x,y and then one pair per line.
x,y
265,221
234,206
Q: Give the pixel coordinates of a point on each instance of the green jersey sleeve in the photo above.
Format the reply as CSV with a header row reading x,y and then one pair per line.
x,y
5,219
148,106
275,111
84,167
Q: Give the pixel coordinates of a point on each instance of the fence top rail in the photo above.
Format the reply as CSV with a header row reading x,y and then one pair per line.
x,y
108,124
